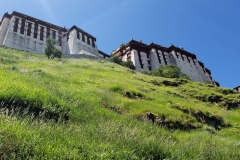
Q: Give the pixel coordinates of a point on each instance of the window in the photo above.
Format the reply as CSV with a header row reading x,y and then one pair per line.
x,y
22,26
60,39
35,31
88,41
93,43
53,34
83,37
29,29
177,55
48,32
182,58
15,27
41,33
149,62
35,34
78,35
147,55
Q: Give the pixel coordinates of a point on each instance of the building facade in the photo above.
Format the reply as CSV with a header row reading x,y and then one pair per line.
x,y
23,32
236,89
149,57
26,33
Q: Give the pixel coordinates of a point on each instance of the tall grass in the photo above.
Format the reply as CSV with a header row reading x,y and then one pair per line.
x,y
56,109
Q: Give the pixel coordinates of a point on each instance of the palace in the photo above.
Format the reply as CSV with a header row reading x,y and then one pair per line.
x,y
149,57
26,33
236,89
22,32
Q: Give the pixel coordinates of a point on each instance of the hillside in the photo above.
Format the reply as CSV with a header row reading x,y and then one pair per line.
x,y
94,109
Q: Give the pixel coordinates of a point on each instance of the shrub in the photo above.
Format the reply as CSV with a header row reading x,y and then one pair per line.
x,y
145,72
56,53
116,59
157,72
169,71
51,51
128,64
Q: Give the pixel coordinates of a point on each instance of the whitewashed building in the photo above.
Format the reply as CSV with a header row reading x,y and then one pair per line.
x,y
236,89
149,57
23,32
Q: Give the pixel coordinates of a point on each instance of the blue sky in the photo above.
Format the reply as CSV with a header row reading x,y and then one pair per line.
x,y
209,29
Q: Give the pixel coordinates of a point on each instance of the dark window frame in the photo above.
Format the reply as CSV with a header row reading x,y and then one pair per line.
x,y
29,29
41,33
15,27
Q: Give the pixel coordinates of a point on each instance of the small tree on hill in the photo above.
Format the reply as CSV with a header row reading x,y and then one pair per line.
x,y
169,71
157,72
116,59
57,53
51,51
128,64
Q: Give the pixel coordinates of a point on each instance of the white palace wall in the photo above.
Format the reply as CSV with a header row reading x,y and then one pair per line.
x,y
3,29
26,33
77,46
149,57
236,89
23,41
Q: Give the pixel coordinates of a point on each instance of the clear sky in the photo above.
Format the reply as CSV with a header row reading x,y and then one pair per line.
x,y
210,29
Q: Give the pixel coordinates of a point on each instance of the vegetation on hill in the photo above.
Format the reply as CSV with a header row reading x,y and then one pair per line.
x,y
94,109
127,64
51,51
168,71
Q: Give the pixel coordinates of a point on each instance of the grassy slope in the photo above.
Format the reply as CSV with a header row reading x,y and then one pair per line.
x,y
80,88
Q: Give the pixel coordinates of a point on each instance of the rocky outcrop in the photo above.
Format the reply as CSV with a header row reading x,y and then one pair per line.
x,y
161,121
205,118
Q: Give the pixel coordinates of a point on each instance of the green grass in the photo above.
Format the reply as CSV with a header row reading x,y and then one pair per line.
x,y
78,109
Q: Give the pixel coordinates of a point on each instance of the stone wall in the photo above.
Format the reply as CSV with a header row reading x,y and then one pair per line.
x,y
80,56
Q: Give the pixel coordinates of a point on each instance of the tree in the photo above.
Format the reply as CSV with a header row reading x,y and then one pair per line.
x,y
116,59
169,71
128,64
57,53
157,72
51,51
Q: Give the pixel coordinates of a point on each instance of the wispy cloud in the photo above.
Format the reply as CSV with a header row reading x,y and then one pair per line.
x,y
99,17
45,4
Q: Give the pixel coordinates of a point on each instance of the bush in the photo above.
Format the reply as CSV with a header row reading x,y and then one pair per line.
x,y
157,72
57,53
116,59
51,51
145,72
169,71
128,64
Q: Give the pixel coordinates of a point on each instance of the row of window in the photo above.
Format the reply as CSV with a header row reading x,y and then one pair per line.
x,y
83,39
35,34
53,34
